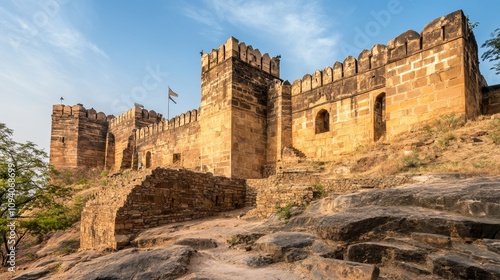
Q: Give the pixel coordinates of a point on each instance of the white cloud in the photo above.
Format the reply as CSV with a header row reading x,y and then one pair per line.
x,y
43,58
299,27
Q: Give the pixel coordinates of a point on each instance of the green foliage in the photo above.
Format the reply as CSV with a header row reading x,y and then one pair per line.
x,y
446,140
318,191
428,129
82,181
480,164
493,52
494,133
411,161
471,25
284,213
449,122
26,196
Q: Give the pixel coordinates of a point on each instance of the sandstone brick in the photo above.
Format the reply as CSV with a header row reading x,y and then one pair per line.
x,y
247,115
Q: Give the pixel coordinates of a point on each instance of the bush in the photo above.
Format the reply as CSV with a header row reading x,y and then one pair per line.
x,y
449,122
318,191
284,213
411,161
494,133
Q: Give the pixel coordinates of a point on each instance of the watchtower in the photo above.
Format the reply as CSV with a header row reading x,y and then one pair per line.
x,y
235,79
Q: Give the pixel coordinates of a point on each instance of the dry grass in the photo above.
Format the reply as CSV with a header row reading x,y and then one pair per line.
x,y
445,146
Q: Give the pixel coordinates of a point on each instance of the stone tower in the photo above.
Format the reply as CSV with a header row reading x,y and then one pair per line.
x,y
78,137
235,80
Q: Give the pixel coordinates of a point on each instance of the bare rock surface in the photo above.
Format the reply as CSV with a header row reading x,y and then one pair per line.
x,y
160,263
436,229
446,229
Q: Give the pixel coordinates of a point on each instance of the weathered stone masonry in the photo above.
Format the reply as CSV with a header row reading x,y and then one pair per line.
x,y
251,124
165,196
248,115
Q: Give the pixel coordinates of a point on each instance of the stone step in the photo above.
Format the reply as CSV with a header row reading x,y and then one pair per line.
x,y
379,252
453,266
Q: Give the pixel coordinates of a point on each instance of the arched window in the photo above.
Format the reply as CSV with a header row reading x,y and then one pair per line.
x,y
322,122
148,160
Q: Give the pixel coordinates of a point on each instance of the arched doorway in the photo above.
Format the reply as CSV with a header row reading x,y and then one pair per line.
x,y
379,127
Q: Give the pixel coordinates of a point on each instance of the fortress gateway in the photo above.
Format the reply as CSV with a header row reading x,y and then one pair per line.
x,y
248,115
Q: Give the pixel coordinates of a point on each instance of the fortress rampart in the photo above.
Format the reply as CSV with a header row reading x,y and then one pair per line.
x,y
389,89
252,124
248,116
232,48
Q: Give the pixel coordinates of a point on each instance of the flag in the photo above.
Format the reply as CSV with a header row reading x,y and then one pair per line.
x,y
172,93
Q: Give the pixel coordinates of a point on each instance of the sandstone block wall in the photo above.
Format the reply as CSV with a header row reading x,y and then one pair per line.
x,y
97,225
279,123
426,75
248,116
249,119
302,188
235,80
78,137
123,129
389,89
172,144
492,99
165,196
215,121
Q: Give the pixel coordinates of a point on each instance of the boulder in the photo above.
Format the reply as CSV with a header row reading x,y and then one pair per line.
x,y
452,266
159,263
434,240
197,243
277,244
322,269
258,261
376,252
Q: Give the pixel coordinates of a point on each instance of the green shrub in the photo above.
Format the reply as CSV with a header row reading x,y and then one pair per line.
x,y
411,161
284,213
447,139
318,191
449,122
494,133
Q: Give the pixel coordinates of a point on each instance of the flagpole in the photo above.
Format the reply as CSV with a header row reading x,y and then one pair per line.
x,y
168,107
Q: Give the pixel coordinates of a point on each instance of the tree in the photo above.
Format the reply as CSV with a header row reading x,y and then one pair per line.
x,y
493,53
29,203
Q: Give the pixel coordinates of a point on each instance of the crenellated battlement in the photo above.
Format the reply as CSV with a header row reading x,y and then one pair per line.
x,y
249,114
61,110
164,125
247,54
135,114
437,32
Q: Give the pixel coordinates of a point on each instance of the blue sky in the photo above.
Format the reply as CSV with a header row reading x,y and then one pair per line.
x,y
110,54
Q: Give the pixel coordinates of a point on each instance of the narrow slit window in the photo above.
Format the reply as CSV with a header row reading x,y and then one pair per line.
x,y
176,158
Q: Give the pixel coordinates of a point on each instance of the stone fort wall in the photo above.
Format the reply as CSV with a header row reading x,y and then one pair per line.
x,y
150,199
389,89
78,137
248,115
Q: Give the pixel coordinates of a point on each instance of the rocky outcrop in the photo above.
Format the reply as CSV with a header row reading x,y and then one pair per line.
x,y
440,229
161,263
448,229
